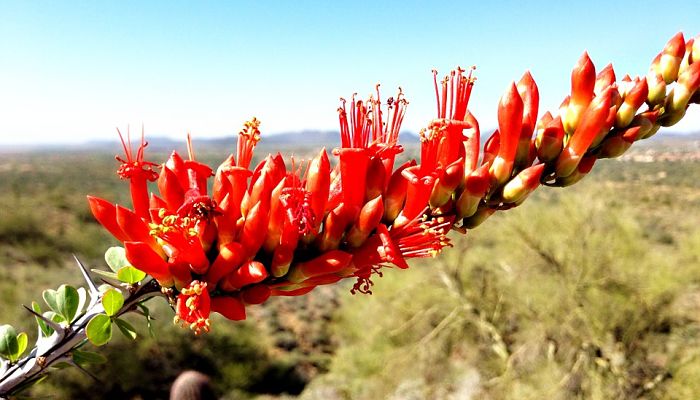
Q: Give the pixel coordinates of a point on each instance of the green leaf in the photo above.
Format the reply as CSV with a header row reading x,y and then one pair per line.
x,y
82,299
49,296
21,344
149,319
99,329
116,258
67,299
88,357
126,329
130,275
63,301
105,274
112,301
54,317
9,346
46,330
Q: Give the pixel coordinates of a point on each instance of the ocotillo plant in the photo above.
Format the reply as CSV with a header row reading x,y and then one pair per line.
x,y
282,228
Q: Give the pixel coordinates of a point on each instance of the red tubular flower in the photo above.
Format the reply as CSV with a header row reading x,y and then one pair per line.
x,y
272,231
248,138
510,122
255,294
354,155
141,256
228,306
193,307
134,228
138,172
385,132
106,214
452,101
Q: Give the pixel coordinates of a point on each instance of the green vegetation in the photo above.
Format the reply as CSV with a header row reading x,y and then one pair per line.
x,y
586,292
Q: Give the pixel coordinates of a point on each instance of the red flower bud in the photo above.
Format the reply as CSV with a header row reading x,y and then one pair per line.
x,y
327,263
510,121
229,259
367,220
582,87
249,273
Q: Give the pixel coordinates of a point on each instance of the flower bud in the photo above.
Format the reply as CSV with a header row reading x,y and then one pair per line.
x,y
475,187
670,58
510,122
582,169
334,226
395,194
375,179
550,140
647,122
615,145
657,89
481,214
595,118
249,273
327,263
678,98
605,78
631,103
518,188
445,186
368,219
230,258
582,85
471,155
255,227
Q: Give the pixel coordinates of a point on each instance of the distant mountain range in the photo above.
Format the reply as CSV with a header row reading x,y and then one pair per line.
x,y
288,140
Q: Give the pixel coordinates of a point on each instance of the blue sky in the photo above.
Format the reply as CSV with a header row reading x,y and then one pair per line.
x,y
73,71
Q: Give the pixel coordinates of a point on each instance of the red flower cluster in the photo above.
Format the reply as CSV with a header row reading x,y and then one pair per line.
x,y
281,229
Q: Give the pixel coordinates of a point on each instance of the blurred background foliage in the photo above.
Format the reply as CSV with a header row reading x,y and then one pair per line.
x,y
589,292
